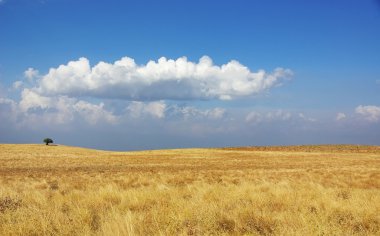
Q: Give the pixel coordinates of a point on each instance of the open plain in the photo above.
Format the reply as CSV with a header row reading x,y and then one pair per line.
x,y
295,190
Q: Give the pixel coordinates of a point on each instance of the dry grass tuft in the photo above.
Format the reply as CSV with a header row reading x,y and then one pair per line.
x,y
7,203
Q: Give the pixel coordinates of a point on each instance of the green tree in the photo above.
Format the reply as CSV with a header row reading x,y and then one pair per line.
x,y
48,140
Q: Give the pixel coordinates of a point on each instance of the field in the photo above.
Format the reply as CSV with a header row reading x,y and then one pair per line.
x,y
297,190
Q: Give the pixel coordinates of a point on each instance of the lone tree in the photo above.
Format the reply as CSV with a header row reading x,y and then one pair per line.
x,y
48,140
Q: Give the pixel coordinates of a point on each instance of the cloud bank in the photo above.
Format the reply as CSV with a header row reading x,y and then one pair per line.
x,y
76,91
161,101
34,109
164,79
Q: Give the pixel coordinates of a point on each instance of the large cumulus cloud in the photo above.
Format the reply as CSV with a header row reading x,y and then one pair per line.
x,y
165,79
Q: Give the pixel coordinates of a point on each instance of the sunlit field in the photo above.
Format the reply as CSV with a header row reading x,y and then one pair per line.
x,y
298,190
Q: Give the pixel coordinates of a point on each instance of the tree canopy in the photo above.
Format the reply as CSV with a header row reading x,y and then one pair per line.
x,y
48,140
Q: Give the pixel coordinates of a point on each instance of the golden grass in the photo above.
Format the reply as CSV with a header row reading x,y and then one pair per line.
x,y
300,190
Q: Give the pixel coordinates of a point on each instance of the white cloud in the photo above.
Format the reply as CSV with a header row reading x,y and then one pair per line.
x,y
254,117
94,113
304,117
17,84
277,115
31,99
154,109
61,109
159,109
158,80
9,106
189,112
6,101
216,113
7,110
340,116
370,113
30,74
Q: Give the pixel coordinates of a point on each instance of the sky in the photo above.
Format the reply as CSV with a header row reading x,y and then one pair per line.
x,y
133,75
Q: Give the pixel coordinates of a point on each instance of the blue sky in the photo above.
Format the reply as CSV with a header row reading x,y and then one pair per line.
x,y
328,90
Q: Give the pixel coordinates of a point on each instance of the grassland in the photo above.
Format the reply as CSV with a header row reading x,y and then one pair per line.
x,y
299,190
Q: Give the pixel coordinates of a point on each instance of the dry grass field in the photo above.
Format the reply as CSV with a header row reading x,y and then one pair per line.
x,y
298,190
